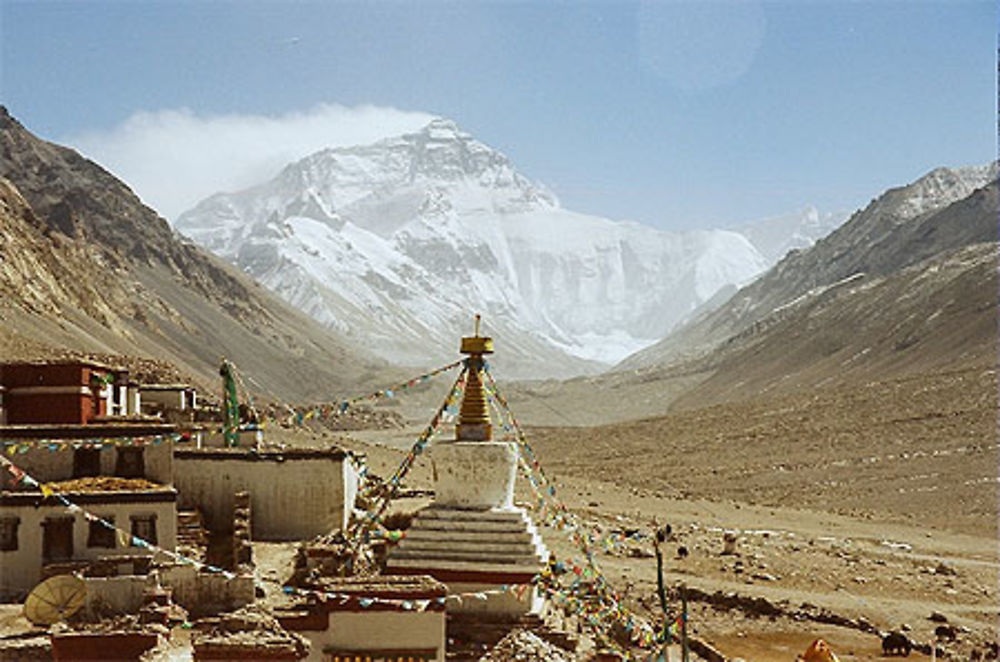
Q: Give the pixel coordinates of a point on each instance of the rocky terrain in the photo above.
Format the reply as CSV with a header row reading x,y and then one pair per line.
x,y
943,210
87,267
836,417
920,298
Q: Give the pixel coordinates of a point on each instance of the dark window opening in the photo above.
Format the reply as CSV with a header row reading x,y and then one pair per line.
x,y
144,528
8,533
86,462
100,535
130,462
57,539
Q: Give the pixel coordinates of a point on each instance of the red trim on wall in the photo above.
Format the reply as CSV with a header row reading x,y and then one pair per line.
x,y
469,576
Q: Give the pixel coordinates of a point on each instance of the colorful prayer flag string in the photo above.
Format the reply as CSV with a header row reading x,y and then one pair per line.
x,y
609,604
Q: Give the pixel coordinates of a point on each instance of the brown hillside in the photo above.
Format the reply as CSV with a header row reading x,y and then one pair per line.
x,y
87,267
921,448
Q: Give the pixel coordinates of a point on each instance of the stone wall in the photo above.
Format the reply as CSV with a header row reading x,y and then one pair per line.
x,y
203,593
294,494
200,593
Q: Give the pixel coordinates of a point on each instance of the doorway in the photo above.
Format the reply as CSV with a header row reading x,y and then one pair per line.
x,y
57,539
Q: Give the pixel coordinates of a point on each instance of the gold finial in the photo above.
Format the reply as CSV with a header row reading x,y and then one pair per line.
x,y
474,415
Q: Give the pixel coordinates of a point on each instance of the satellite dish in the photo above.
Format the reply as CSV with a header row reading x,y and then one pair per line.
x,y
55,599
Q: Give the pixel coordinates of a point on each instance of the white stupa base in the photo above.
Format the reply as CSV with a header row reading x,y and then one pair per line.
x,y
475,551
472,598
472,538
474,474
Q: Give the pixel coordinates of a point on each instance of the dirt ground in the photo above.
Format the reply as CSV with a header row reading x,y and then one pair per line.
x,y
875,502
869,507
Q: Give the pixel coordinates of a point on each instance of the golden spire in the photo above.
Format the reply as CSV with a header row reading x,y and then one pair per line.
x,y
474,415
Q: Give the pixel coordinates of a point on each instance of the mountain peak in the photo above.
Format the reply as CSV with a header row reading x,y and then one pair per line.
x,y
442,128
440,159
939,188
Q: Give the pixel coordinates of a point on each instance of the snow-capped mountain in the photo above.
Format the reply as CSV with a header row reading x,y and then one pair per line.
x,y
777,235
399,242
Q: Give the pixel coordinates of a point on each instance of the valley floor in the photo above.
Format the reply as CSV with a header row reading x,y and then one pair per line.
x,y
876,502
854,508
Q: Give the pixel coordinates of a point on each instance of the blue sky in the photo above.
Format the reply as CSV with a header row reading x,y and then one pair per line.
x,y
677,115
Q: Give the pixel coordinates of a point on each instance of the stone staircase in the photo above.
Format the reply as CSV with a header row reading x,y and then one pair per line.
x,y
482,540
192,536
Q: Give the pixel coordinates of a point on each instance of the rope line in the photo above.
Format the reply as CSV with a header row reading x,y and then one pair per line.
x,y
544,489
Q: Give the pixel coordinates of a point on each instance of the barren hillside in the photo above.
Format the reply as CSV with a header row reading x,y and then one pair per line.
x,y
87,267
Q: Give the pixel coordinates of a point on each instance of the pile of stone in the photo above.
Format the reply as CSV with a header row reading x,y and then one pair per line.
x,y
526,646
248,633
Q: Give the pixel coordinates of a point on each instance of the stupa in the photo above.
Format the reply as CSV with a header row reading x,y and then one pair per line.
x,y
473,538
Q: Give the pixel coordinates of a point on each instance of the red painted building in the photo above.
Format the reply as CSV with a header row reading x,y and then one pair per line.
x,y
62,392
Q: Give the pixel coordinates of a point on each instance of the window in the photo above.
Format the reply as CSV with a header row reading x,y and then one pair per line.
x,y
144,528
130,462
100,535
86,462
8,533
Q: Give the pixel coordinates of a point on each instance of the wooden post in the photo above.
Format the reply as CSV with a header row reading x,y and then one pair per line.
x,y
685,654
658,537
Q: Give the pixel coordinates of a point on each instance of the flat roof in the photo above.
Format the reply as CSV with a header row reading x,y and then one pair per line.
x,y
382,586
63,362
91,431
260,455
161,494
105,484
164,387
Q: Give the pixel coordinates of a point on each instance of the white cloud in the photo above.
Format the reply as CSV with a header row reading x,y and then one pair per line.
x,y
174,158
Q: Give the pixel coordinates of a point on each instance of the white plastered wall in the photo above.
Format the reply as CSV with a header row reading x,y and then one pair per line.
x,y
293,499
379,630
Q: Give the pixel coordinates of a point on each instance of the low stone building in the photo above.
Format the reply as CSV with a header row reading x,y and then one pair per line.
x,y
128,487
58,453
158,397
40,535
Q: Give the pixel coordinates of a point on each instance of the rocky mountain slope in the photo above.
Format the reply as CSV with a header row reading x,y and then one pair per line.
x,y
919,299
87,267
399,242
900,228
